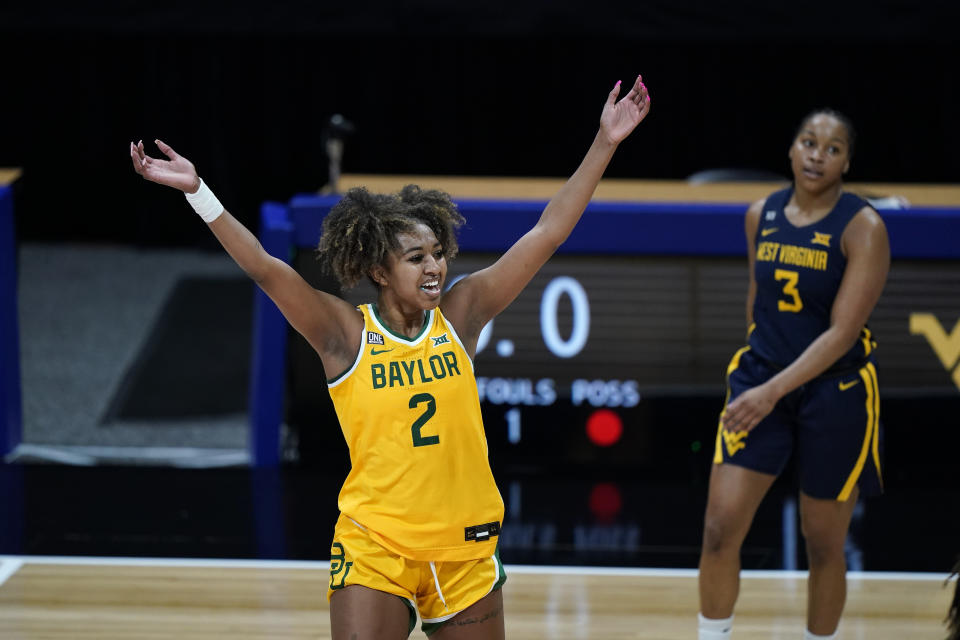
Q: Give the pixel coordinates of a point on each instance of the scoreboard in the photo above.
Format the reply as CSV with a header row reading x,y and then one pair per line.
x,y
621,360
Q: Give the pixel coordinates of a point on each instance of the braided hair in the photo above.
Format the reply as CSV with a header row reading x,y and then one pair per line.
x,y
361,230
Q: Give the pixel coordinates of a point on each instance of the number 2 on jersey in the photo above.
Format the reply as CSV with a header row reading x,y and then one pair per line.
x,y
420,440
789,289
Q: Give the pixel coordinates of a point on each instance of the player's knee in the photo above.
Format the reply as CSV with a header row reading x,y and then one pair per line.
x,y
819,555
823,547
717,535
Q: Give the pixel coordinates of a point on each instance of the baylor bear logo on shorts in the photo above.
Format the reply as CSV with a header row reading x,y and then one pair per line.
x,y
338,566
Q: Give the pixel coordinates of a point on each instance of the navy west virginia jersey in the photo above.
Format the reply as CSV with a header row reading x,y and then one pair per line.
x,y
798,272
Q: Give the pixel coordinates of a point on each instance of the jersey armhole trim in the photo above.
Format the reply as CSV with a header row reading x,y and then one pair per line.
x,y
456,337
333,382
762,219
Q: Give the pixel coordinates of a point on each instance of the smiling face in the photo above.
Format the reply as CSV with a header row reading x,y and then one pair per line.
x,y
414,274
820,153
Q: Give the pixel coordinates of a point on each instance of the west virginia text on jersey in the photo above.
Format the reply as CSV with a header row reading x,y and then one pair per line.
x,y
410,414
793,255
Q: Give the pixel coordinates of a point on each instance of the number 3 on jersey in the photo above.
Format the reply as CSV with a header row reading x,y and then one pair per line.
x,y
418,439
790,290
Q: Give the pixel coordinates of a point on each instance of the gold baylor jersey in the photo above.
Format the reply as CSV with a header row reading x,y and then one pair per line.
x,y
420,481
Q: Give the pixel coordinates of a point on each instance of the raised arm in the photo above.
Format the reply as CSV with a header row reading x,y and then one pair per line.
x,y
868,261
480,296
330,325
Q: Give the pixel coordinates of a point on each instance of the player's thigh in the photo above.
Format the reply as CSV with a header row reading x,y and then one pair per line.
x,y
734,495
360,612
825,522
371,589
483,620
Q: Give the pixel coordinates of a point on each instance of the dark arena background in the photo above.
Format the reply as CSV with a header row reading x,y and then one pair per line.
x,y
154,406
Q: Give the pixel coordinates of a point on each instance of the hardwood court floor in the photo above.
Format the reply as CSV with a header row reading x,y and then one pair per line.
x,y
73,598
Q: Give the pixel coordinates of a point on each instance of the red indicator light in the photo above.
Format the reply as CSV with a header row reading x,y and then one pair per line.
x,y
605,501
604,427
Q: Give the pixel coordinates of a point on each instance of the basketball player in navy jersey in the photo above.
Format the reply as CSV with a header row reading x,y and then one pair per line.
x,y
806,383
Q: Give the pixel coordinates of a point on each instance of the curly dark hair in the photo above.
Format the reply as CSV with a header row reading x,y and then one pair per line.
x,y
361,230
839,117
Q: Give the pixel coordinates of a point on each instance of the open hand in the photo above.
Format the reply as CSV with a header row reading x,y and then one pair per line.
x,y
620,118
749,408
177,172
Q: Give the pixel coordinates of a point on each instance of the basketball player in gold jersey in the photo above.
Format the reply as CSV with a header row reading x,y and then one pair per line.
x,y
420,513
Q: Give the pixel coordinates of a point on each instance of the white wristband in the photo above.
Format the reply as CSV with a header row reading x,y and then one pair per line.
x,y
205,203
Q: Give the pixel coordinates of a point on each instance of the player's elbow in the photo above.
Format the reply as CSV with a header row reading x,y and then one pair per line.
x,y
261,271
549,236
845,336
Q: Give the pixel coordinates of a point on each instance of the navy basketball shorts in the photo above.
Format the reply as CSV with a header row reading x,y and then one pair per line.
x,y
831,423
